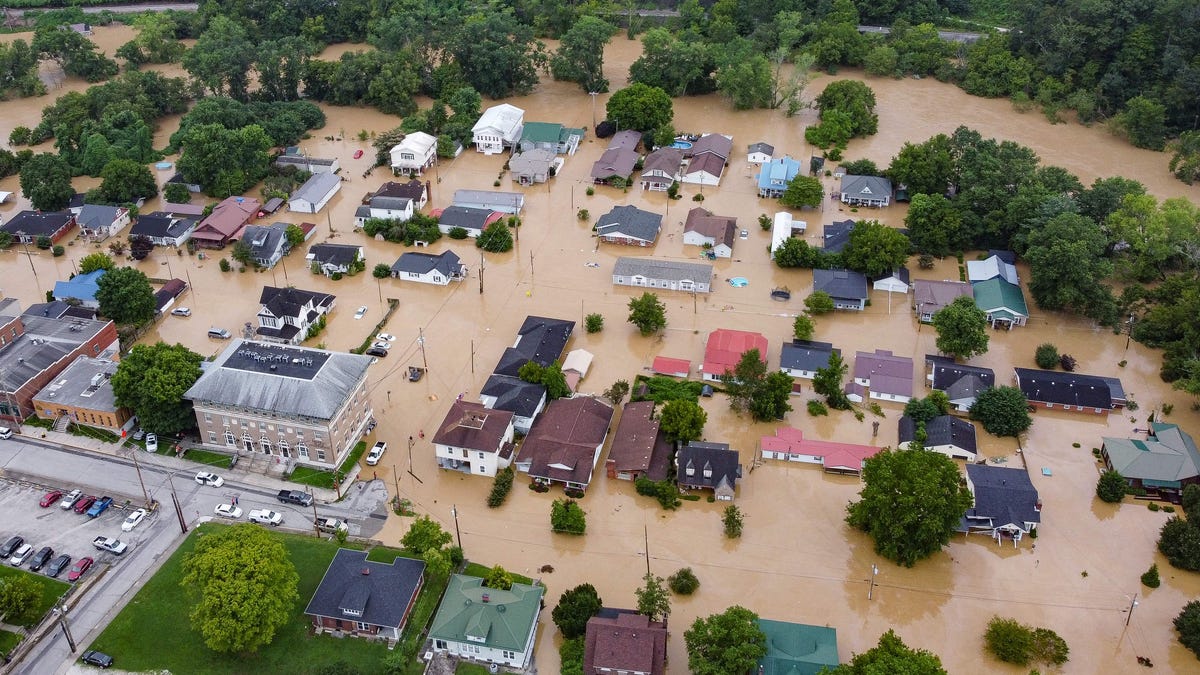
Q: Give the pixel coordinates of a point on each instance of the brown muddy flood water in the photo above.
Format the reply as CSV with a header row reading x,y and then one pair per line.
x,y
797,561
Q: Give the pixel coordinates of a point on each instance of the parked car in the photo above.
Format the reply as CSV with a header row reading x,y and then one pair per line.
x,y
69,499
85,502
228,511
381,345
133,520
151,442
99,507
95,658
51,497
181,311
295,497
39,559
360,312
14,542
139,434
331,525
20,555
210,479
358,153
109,544
82,565
57,565
376,351
5,433
376,453
219,333
745,234
266,517
386,337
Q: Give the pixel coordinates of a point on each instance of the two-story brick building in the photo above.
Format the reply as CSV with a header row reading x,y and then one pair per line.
x,y
83,394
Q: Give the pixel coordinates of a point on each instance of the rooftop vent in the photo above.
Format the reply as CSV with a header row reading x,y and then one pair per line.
x,y
366,571
485,598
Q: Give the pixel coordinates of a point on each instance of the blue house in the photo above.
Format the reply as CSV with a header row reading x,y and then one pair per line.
x,y
81,289
774,176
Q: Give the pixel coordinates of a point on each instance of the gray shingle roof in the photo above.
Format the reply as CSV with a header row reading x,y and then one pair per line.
x,y
846,284
941,430
761,147
1074,389
334,254
513,394
836,235
540,339
961,379
866,187
315,188
654,268
701,456
446,262
629,221
316,387
379,593
466,217
1006,496
96,216
806,355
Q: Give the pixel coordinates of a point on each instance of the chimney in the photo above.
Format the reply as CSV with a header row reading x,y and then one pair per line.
x,y
366,571
485,598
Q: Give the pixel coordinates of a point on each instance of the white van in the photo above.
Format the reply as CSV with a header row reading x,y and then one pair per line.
x,y
5,432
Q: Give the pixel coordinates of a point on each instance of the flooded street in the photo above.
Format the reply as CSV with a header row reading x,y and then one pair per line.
x,y
797,560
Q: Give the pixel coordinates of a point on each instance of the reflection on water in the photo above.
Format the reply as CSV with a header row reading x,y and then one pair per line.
x,y
797,560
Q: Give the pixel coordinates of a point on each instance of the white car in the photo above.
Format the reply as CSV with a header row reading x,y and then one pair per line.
x,y
20,555
181,311
381,345
745,234
228,511
69,499
361,312
133,520
211,479
266,517
386,337
151,442
376,453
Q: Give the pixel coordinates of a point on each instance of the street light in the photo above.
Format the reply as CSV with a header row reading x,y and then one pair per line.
x,y
593,95
1131,606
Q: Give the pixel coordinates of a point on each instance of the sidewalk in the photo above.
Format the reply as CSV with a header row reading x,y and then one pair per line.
x,y
244,472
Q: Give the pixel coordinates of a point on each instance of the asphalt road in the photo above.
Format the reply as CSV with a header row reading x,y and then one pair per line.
x,y
156,538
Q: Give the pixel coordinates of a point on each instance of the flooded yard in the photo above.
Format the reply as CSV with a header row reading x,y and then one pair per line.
x,y
797,560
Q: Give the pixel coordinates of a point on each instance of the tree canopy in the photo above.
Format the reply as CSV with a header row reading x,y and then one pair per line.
x,y
1003,411
875,249
752,389
682,420
640,107
1187,624
575,606
891,655
424,534
580,55
729,642
961,328
652,598
802,191
648,313
125,296
46,181
151,380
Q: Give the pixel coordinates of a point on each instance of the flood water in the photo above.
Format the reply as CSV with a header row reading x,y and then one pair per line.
x,y
797,561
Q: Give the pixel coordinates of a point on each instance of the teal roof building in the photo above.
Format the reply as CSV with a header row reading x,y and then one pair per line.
x,y
487,624
797,648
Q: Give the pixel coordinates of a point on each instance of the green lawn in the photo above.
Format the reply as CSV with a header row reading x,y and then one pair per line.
x,y
140,639
52,590
470,669
8,641
324,479
208,458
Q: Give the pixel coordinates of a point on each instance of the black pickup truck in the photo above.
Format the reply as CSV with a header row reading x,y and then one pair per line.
x,y
295,497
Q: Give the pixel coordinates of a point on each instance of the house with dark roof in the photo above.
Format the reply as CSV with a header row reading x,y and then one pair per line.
x,y
473,220
961,383
708,156
931,297
474,439
629,225
797,648
1002,302
1162,464
541,340
226,221
385,208
624,641
1006,504
656,273
564,444
887,376
364,598
99,222
270,206
949,435
428,268
414,189
28,226
1066,391
487,625
836,235
759,153
525,400
724,350
866,191
330,259
638,447
163,229
847,288
789,444
286,314
80,289
803,358
268,243
184,210
614,165
164,297
708,466
714,233
661,169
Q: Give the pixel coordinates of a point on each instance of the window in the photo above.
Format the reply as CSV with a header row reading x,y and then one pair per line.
x,y
208,417
212,437
302,449
361,626
509,655
284,449
482,469
320,454
481,455
266,445
229,439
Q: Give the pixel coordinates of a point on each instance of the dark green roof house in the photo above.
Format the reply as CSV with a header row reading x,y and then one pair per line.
x,y
486,624
1002,302
797,648
1164,463
550,136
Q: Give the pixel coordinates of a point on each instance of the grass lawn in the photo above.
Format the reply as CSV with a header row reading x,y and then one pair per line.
x,y
153,631
8,641
51,591
324,479
470,669
208,458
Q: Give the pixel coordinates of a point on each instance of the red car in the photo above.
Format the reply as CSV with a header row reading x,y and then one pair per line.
x,y
51,497
79,568
357,154
85,502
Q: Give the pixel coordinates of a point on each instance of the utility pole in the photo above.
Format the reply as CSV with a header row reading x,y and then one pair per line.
x,y
62,621
315,528
481,272
472,356
1131,606
183,528
189,278
396,479
421,342
138,468
593,95
457,532
531,263
871,590
646,542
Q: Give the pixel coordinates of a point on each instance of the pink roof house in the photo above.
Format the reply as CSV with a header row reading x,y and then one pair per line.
x,y
790,445
725,348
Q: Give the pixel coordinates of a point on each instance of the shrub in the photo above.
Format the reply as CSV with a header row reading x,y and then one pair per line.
x,y
458,233
58,251
224,265
501,486
1168,509
1150,577
44,243
764,221
381,271
539,487
817,408
1111,487
664,491
1074,445
1153,506
732,520
683,582
697,197
1046,356
498,577
594,323
583,215
1188,625
591,191
1012,642
566,516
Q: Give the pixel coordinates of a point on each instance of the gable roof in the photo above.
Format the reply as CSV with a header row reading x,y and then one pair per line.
x,y
939,431
715,144
547,132
334,254
959,380
472,426
796,648
667,366
97,216
717,458
845,284
836,235
631,222
540,339
710,163
265,240
656,268
1004,495
627,138
764,148
513,394
37,223
930,296
79,287
614,162
505,620
562,444
887,373
666,160
317,187
418,142
725,348
778,170
834,456
718,228
357,589
494,199
637,442
1072,389
413,189
466,217
997,294
982,270
389,203
1167,456
866,187
446,262
806,355
626,642
504,117
531,161
230,215
292,301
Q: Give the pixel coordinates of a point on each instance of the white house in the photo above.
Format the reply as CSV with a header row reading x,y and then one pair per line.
x,y
499,127
388,208
949,435
474,439
427,268
286,314
163,229
315,193
414,154
784,227
647,272
887,376
702,228
709,155
99,222
333,259
760,153
487,625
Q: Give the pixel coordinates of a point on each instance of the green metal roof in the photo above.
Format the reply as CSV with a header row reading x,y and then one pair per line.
x,y
1166,458
541,132
797,648
995,295
504,621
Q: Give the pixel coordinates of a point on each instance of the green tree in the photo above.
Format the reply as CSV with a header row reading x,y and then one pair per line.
x,y
566,516
682,420
771,399
382,271
496,53
1191,503
803,327
243,586
19,595
961,328
1003,411
580,55
437,563
124,181
1179,541
678,67
926,168
1187,623
993,70
1013,642
891,655
827,382
683,581
1106,195
746,78
224,161
818,302
575,606
570,657
498,578
617,392
1046,356
934,225
1185,163
731,519
295,236
495,238
882,61
911,503
424,534
1068,267
594,322
1150,577
875,248
729,642
176,193
855,99
95,261
77,55
125,296
641,107
151,380
46,181
647,313
921,410
743,381
802,191
652,598
222,59
1144,123
140,246
242,252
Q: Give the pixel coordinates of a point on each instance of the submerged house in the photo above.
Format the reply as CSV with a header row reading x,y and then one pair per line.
x,y
1162,464
1006,505
708,466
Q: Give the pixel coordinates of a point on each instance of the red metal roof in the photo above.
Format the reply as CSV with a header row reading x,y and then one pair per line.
x,y
725,349
666,365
